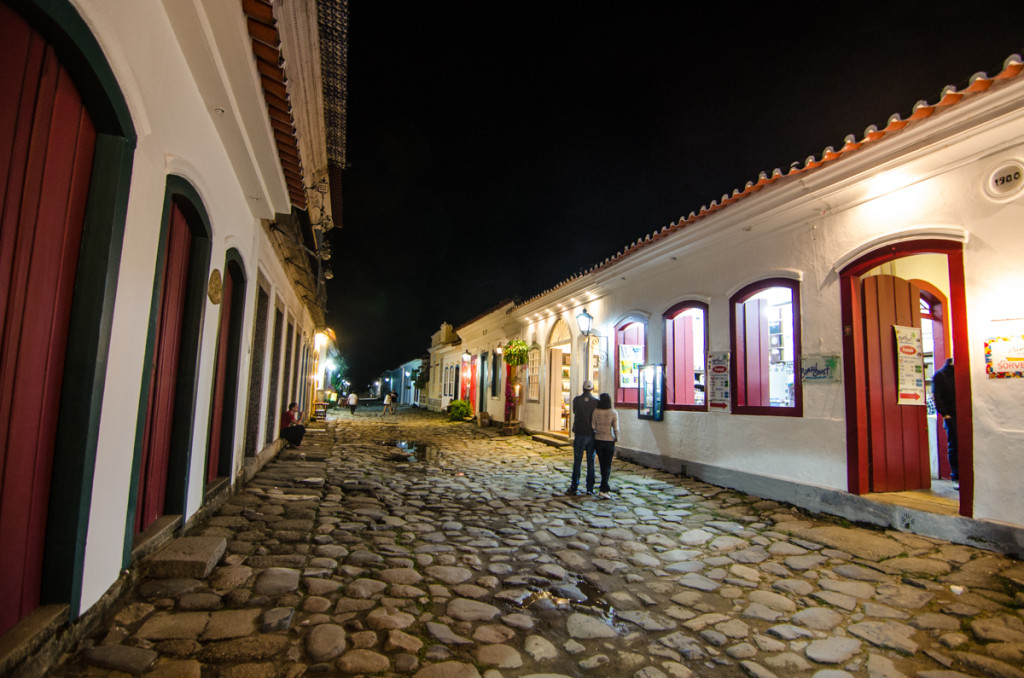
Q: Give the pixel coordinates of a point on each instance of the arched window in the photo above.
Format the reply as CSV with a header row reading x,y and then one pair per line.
x,y
765,325
686,331
630,354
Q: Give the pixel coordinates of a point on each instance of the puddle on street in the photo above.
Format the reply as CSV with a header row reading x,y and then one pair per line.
x,y
580,597
413,452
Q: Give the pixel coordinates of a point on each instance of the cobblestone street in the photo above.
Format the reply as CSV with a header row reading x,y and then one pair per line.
x,y
410,546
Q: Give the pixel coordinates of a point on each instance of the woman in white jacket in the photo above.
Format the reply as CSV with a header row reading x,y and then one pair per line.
x,y
605,422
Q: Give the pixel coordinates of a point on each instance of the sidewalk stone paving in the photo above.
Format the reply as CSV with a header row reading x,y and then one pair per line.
x,y
411,546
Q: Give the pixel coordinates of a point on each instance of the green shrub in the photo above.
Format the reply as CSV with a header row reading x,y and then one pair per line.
x,y
459,410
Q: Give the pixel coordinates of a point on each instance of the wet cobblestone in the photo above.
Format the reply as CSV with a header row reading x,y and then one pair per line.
x,y
411,546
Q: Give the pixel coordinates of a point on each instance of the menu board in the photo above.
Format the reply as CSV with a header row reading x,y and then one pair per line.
x,y
719,382
909,366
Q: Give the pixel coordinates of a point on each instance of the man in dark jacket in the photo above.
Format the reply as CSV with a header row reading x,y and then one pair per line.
x,y
583,407
944,393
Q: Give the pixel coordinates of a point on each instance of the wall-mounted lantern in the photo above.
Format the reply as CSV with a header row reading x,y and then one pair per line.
x,y
586,322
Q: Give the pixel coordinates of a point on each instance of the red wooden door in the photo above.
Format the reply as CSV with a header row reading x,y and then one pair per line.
x,y
897,434
156,450
220,375
46,152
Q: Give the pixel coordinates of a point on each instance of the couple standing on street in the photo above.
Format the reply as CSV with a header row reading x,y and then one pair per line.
x,y
595,428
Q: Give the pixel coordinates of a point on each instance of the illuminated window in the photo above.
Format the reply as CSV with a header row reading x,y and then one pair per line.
x,y
630,354
686,330
532,373
766,348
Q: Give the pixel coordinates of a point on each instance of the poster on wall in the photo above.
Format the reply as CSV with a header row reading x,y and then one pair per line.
x,y
719,383
651,404
820,369
909,366
630,358
1004,357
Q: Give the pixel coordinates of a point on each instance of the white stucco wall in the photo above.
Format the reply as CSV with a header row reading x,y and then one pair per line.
x,y
177,135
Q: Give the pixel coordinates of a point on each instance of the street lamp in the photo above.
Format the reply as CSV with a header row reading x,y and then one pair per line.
x,y
586,322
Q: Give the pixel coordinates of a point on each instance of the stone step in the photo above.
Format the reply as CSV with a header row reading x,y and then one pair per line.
x,y
552,439
187,557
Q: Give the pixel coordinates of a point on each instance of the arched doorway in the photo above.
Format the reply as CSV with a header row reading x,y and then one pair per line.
x,y
171,377
559,384
936,345
66,144
221,441
887,440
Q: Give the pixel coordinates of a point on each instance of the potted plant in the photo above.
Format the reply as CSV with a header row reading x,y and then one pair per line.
x,y
515,354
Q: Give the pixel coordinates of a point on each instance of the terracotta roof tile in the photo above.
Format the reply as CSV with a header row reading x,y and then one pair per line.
x,y
978,83
266,49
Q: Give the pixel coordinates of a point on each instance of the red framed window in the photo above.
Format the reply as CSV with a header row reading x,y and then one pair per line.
x,y
630,354
686,331
765,330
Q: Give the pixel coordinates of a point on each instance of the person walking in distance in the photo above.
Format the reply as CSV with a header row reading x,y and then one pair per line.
x,y
583,407
353,400
605,422
387,403
944,394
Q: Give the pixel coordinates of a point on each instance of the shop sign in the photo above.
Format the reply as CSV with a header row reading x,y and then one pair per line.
x,y
820,369
719,382
909,366
1004,357
631,356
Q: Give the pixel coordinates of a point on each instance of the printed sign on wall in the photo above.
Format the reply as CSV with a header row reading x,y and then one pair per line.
x,y
719,383
820,369
1004,357
909,366
630,358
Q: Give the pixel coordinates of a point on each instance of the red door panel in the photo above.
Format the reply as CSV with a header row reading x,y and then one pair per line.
x,y
752,347
680,379
220,374
46,152
898,442
630,335
166,351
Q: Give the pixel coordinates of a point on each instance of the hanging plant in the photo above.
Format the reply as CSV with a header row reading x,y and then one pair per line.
x,y
516,352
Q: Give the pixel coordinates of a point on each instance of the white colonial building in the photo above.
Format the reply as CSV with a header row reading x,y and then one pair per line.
x,y
781,340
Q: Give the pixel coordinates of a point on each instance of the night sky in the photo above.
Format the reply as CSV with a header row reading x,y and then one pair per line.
x,y
497,148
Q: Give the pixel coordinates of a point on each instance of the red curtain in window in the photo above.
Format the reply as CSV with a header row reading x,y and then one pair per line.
x,y
631,334
164,365
46,152
752,352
